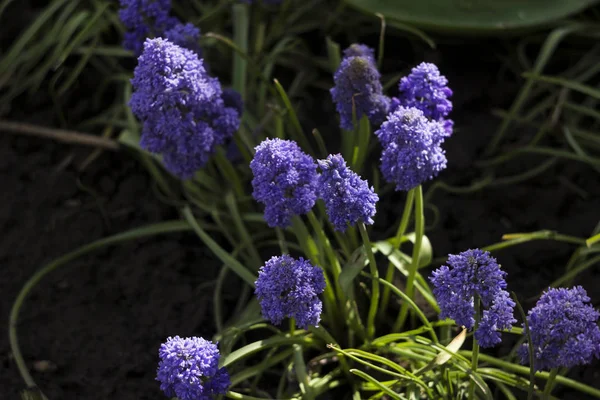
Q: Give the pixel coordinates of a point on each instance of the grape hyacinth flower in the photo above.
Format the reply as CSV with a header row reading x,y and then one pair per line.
x,y
360,50
185,35
189,369
181,107
232,98
144,19
412,150
563,328
348,198
357,84
474,275
287,287
285,180
426,89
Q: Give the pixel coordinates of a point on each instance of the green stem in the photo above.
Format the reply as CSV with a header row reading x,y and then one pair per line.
x,y
281,239
389,275
531,389
549,384
336,268
303,236
414,265
475,352
375,291
229,173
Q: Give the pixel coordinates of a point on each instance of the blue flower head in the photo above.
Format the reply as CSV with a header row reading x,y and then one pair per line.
x,y
424,88
563,328
348,198
412,150
185,35
180,106
469,274
285,180
287,287
189,369
143,19
357,84
360,50
233,99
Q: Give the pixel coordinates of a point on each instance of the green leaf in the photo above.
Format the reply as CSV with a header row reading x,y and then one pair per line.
x,y
224,256
260,345
351,270
378,384
426,252
594,239
474,17
32,394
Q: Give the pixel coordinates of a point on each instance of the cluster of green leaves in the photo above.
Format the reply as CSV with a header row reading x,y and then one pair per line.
x,y
376,340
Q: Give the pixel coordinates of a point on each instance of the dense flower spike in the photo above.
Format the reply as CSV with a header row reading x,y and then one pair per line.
x,y
285,180
181,108
233,99
357,82
185,35
360,50
563,328
424,88
412,150
189,369
143,19
469,274
287,287
348,198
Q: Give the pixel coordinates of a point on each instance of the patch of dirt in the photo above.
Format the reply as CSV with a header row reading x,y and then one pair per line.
x,y
99,320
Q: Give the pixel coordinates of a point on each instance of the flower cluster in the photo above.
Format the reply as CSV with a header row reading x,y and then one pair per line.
x,y
360,50
150,18
563,330
348,198
474,275
287,287
185,35
358,88
143,19
181,107
426,89
412,151
189,369
285,180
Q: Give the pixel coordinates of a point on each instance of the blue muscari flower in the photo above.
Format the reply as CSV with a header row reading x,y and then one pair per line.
x,y
185,35
357,82
189,369
348,198
360,50
287,287
285,180
143,19
412,150
232,98
471,274
424,88
563,328
183,115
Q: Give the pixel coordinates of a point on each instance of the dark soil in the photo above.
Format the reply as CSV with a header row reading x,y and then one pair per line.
x,y
99,321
